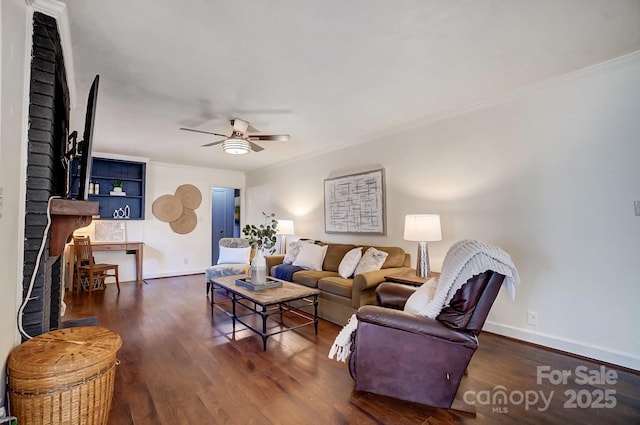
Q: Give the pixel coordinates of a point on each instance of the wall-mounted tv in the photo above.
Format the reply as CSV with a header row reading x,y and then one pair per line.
x,y
80,155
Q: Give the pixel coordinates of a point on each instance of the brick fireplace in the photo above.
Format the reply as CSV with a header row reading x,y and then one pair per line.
x,y
48,129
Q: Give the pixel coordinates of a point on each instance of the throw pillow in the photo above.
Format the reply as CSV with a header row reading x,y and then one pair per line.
x,y
373,259
311,256
420,299
234,255
293,248
349,263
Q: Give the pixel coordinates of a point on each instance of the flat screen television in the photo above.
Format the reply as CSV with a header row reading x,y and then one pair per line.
x,y
86,144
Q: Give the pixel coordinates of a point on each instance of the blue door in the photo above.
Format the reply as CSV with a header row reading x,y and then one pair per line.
x,y
223,217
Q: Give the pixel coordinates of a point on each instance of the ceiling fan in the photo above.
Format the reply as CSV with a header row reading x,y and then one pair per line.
x,y
240,142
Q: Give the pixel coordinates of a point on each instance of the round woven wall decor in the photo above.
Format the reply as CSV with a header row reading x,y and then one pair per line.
x,y
189,195
167,208
185,223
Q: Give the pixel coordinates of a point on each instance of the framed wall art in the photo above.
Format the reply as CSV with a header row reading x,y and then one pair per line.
x,y
355,203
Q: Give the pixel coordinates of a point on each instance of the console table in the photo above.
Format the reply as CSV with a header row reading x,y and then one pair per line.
x,y
130,248
133,247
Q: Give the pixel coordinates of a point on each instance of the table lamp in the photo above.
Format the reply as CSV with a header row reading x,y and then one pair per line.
x,y
422,228
285,227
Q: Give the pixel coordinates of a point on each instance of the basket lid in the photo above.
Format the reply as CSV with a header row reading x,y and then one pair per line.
x,y
64,350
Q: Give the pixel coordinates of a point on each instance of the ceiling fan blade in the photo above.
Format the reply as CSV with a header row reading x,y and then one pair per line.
x,y
213,143
255,148
270,137
202,131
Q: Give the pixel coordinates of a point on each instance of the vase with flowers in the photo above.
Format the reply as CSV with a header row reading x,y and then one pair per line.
x,y
263,239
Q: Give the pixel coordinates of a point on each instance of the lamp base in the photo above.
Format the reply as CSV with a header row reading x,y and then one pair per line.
x,y
422,264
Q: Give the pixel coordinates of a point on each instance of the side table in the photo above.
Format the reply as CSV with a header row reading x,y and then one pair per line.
x,y
409,278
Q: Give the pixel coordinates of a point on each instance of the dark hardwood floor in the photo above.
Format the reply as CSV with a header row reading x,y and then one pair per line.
x,y
180,365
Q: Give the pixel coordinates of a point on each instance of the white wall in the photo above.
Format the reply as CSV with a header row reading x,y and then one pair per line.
x,y
13,45
549,174
167,253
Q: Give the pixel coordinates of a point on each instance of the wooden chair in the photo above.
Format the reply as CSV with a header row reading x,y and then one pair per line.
x,y
86,268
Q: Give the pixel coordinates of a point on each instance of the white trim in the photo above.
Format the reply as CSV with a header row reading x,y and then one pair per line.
x,y
119,157
604,354
58,11
176,273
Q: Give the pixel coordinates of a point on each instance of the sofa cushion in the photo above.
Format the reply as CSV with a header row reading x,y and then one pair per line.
x,y
336,285
335,254
310,277
371,260
311,256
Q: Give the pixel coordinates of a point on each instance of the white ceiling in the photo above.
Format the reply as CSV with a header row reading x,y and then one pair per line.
x,y
328,73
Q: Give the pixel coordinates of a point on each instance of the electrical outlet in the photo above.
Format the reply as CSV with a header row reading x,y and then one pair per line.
x,y
637,205
532,318
186,261
1,203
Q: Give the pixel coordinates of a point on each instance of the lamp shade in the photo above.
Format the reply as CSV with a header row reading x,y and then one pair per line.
x,y
422,227
236,146
285,227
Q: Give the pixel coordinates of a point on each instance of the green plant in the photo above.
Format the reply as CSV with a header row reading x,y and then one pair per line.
x,y
117,183
264,235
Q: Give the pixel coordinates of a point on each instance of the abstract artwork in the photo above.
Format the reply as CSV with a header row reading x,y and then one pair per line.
x,y
355,203
109,231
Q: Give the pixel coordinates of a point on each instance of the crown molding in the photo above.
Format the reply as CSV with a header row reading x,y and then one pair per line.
x,y
58,11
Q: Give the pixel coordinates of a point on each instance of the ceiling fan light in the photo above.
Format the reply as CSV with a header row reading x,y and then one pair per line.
x,y
235,146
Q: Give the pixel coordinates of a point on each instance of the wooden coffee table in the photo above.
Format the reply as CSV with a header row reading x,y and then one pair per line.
x,y
265,303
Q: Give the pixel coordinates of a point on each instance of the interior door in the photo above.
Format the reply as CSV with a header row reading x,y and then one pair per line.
x,y
223,208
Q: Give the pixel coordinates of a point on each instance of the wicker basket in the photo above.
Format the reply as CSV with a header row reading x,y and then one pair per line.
x,y
64,377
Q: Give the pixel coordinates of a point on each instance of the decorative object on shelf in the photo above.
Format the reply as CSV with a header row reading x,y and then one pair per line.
x,y
122,212
91,187
96,188
118,186
189,195
263,236
422,228
285,227
355,203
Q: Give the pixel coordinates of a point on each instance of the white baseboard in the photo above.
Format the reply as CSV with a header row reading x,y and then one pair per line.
x,y
174,273
575,347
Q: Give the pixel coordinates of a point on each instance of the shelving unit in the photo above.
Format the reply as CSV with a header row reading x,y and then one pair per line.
x,y
105,171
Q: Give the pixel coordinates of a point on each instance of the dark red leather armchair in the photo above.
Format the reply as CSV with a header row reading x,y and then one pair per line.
x,y
415,358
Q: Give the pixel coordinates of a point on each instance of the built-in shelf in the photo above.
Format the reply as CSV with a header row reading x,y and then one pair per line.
x,y
104,172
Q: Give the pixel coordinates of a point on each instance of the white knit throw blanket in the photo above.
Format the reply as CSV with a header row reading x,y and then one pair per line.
x,y
464,260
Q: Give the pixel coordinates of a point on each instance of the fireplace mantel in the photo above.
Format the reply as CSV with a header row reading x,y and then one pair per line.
x,y
68,215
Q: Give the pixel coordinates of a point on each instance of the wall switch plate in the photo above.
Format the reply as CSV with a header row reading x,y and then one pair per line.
x,y
532,318
1,202
636,203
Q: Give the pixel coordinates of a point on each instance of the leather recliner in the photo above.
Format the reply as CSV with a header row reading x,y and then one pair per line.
x,y
415,358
